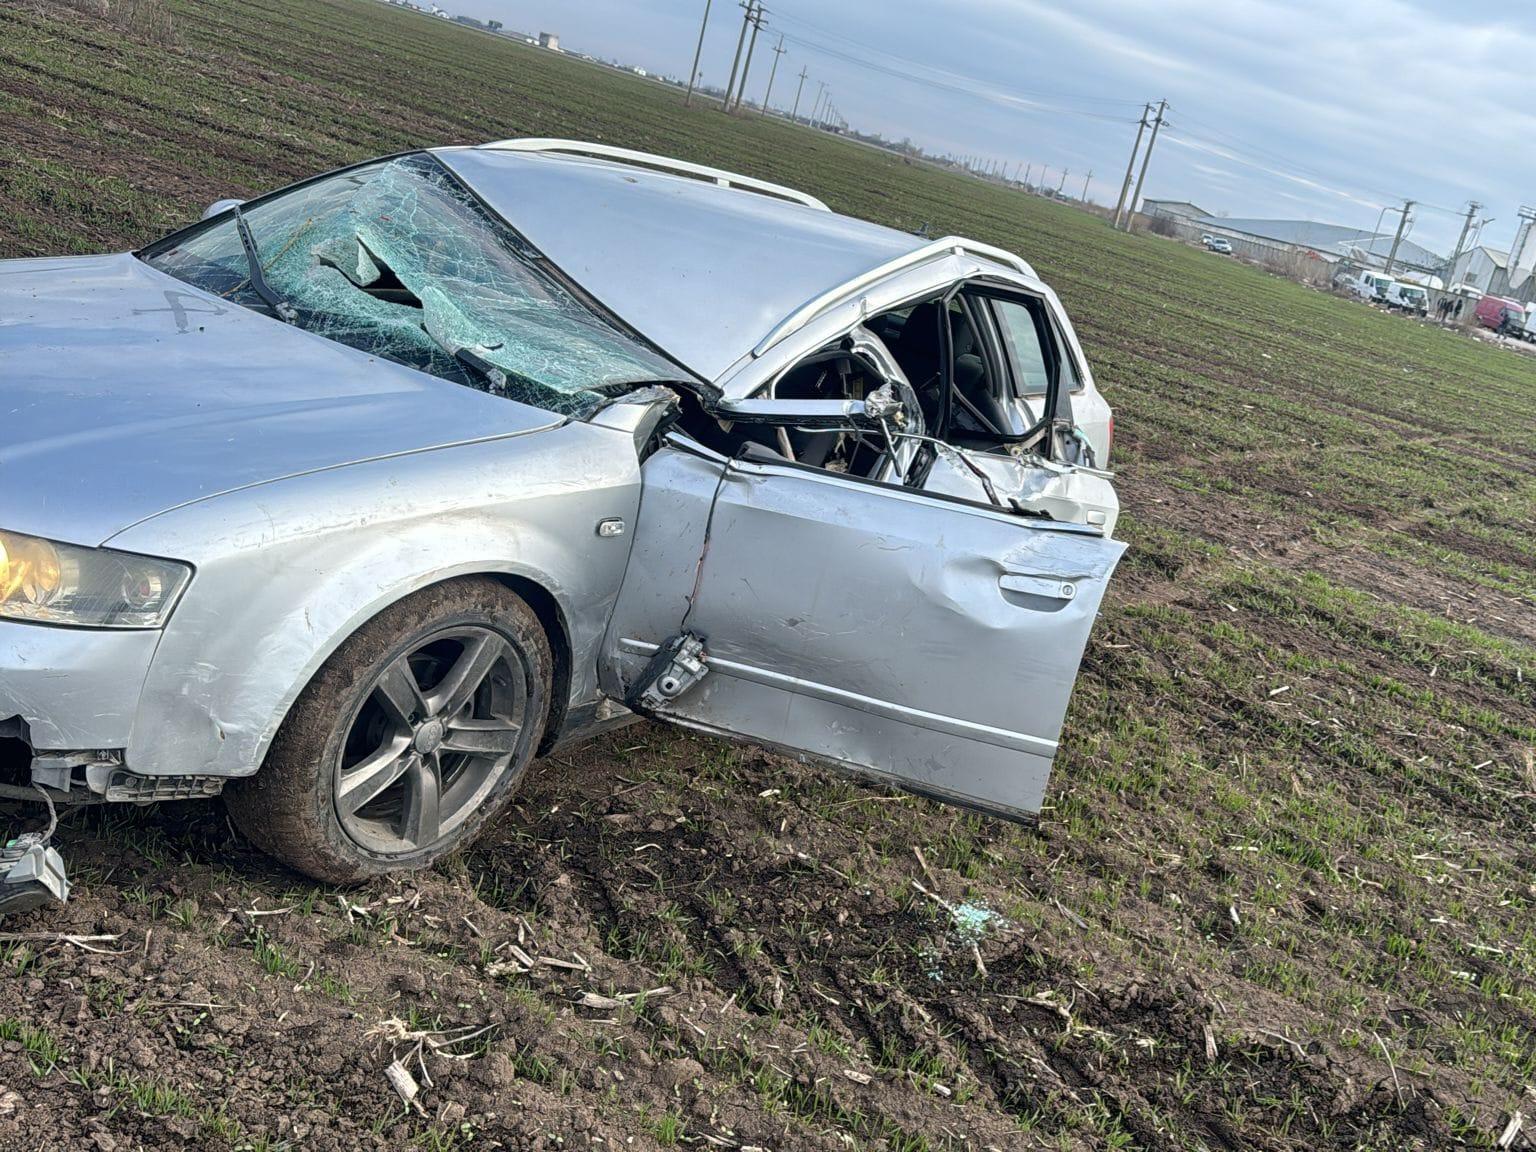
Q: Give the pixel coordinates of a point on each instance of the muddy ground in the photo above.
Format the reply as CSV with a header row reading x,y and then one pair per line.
x,y
1280,898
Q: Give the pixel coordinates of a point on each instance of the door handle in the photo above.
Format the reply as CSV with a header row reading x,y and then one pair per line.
x,y
1049,587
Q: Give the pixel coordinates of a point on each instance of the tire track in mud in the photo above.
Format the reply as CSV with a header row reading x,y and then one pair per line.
x,y
623,914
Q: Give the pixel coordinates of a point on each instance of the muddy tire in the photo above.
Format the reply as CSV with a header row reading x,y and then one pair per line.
x,y
409,738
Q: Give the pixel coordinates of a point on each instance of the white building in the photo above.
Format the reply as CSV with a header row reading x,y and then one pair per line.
x,y
1173,210
1482,268
549,40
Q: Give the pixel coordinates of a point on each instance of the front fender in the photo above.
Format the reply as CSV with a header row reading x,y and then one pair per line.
x,y
287,571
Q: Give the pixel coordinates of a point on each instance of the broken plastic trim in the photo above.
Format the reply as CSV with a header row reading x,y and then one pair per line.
x,y
676,667
33,872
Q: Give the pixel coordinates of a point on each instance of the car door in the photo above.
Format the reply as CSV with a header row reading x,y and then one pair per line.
x,y
924,640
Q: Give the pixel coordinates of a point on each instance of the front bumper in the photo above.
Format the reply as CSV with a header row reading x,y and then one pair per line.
x,y
75,688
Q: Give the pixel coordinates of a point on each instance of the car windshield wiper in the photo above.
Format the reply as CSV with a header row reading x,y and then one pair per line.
x,y
280,307
480,366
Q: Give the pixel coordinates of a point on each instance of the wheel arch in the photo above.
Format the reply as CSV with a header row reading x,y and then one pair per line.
x,y
531,587
557,632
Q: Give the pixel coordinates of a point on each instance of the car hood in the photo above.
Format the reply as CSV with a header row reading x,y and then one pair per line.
x,y
125,392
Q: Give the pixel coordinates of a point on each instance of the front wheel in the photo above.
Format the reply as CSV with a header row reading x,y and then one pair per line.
x,y
407,740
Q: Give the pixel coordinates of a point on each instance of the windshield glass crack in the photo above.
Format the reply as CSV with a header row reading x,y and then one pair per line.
x,y
399,261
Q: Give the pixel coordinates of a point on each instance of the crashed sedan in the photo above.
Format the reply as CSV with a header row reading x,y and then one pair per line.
x,y
349,501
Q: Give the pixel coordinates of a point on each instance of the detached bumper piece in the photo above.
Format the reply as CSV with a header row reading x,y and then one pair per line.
x,y
33,875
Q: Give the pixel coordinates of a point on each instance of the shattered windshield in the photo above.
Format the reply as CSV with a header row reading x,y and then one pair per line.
x,y
397,260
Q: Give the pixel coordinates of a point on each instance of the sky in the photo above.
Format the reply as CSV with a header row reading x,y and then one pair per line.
x,y
1327,110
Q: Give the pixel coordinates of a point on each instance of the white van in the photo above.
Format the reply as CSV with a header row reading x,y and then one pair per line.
x,y
1366,284
1407,297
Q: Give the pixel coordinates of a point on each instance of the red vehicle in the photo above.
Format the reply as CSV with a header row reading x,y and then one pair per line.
x,y
1506,316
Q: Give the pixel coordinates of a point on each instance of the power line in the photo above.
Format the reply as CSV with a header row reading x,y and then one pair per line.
x,y
1022,103
908,63
1243,150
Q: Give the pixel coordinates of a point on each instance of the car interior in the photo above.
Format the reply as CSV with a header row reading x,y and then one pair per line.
x,y
978,367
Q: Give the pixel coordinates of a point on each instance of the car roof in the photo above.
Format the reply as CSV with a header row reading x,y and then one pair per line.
x,y
702,269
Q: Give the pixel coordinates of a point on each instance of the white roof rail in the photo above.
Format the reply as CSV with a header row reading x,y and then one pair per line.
x,y
949,245
664,163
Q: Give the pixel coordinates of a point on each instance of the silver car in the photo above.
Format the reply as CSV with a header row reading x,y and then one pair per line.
x,y
349,501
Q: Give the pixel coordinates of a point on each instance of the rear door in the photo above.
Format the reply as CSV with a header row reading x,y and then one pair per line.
x,y
919,639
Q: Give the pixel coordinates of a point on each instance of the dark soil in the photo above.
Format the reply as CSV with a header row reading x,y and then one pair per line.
x,y
1280,898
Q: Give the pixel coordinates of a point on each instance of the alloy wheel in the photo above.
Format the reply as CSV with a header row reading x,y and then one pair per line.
x,y
441,726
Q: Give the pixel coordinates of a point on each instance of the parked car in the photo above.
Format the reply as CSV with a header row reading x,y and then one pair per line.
x,y
1504,316
1218,244
350,500
1406,297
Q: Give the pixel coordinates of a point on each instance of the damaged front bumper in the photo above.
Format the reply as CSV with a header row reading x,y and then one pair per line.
x,y
68,700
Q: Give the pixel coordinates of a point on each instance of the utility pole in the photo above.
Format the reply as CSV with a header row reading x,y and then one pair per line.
x,y
736,61
746,66
1461,241
1028,168
774,71
1130,165
693,75
798,89
1085,185
1402,222
1065,172
821,86
1141,177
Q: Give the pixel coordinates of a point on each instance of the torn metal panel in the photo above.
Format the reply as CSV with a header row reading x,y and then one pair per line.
x,y
644,413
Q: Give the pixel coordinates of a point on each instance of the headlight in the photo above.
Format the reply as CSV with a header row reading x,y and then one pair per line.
x,y
86,587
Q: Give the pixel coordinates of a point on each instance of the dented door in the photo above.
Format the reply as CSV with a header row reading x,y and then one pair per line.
x,y
924,641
